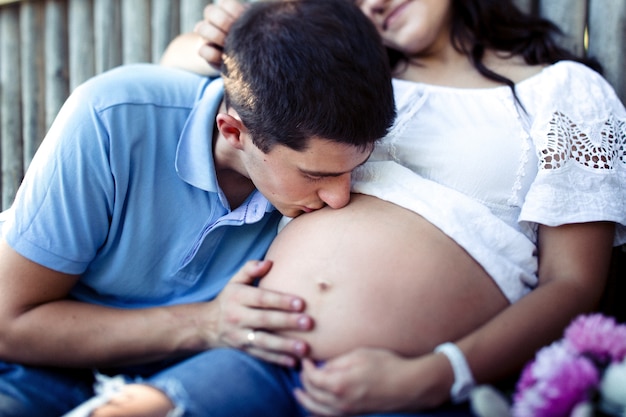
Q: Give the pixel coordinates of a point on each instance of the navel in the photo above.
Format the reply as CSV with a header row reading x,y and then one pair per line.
x,y
324,285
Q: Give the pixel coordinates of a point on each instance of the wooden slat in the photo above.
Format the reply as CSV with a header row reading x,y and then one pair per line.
x,y
607,33
56,62
107,34
10,104
81,42
32,70
571,16
191,13
136,31
165,25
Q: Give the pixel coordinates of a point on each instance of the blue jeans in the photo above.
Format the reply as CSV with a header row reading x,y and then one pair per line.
x,y
41,392
216,383
231,383
27,391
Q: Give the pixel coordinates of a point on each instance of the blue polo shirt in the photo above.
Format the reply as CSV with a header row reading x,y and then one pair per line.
x,y
123,191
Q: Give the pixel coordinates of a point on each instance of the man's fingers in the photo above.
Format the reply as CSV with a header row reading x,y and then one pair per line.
x,y
251,271
278,350
241,289
274,357
249,316
268,299
268,342
273,311
278,320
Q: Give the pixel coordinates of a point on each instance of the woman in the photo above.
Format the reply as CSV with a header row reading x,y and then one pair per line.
x,y
505,143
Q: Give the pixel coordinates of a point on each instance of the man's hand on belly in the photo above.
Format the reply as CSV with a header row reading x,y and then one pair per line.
x,y
249,317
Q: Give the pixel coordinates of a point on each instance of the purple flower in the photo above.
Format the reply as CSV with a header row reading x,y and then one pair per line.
x,y
554,383
598,336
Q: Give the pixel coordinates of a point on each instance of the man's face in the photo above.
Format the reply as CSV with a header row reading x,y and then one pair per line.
x,y
297,182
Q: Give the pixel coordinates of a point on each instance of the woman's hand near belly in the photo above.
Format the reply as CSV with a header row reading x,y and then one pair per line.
x,y
375,274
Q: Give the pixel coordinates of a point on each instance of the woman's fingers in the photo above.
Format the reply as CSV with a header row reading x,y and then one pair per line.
x,y
218,18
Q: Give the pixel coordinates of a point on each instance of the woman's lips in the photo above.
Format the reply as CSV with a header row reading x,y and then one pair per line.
x,y
393,15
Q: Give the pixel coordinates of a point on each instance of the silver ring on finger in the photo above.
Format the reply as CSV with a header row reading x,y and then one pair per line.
x,y
251,338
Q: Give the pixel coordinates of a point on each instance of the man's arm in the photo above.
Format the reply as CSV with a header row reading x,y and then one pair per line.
x,y
40,326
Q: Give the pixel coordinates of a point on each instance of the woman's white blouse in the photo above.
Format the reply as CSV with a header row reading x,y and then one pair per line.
x,y
489,170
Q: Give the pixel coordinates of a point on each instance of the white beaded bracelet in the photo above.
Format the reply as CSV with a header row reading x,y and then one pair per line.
x,y
463,379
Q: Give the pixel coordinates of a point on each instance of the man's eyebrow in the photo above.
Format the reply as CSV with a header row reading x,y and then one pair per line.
x,y
322,174
330,174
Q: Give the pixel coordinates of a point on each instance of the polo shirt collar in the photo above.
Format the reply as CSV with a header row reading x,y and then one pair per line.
x,y
194,156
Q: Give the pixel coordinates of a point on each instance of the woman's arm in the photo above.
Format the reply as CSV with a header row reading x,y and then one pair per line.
x,y
573,266
183,53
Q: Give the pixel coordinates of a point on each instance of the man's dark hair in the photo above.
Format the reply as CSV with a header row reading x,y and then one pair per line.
x,y
299,69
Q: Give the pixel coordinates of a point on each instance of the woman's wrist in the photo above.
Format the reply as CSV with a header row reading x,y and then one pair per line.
x,y
428,378
463,378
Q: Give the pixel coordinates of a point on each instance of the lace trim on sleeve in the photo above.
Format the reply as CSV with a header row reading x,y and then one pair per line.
x,y
566,141
582,173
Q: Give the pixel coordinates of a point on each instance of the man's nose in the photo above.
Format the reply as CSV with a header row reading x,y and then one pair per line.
x,y
336,193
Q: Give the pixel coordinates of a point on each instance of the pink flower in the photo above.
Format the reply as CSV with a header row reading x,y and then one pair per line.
x,y
598,336
554,383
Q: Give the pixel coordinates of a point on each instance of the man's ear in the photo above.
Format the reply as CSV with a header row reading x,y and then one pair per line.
x,y
232,128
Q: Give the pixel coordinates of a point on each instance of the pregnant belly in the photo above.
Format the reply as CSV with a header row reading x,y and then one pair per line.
x,y
374,274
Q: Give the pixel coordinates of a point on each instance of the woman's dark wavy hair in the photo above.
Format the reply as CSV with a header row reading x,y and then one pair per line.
x,y
480,25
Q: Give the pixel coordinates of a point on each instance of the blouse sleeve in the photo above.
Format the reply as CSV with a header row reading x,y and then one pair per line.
x,y
579,134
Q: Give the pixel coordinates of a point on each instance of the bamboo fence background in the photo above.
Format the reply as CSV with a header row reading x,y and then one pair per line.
x,y
48,47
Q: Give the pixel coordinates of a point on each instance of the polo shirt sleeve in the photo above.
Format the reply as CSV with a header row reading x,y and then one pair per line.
x,y
61,213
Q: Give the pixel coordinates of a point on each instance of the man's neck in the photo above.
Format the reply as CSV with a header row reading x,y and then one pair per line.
x,y
228,170
235,187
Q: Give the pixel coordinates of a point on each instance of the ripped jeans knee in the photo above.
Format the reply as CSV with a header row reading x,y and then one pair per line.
x,y
215,383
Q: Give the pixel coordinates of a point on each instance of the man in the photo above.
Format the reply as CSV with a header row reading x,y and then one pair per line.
x,y
126,249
